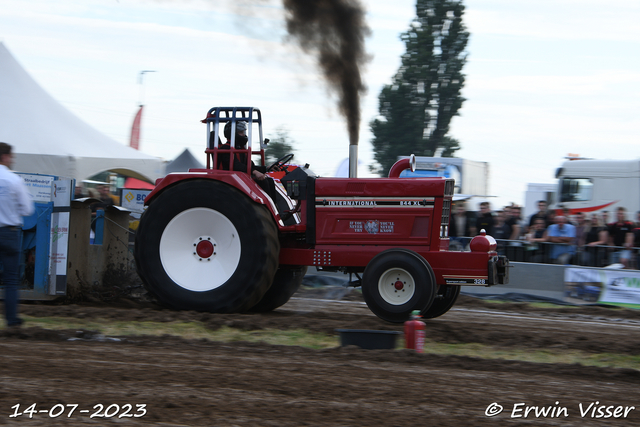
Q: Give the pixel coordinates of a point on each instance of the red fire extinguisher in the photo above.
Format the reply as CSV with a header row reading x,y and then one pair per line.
x,y
414,332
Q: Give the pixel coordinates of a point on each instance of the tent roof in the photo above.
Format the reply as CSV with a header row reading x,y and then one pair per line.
x,y
48,139
183,163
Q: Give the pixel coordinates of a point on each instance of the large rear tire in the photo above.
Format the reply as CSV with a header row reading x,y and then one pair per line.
x,y
444,300
285,283
396,282
203,245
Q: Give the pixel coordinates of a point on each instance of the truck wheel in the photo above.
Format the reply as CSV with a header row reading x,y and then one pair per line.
x,y
285,283
203,245
444,300
396,282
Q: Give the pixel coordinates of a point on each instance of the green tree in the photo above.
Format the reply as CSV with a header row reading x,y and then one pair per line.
x,y
279,146
415,110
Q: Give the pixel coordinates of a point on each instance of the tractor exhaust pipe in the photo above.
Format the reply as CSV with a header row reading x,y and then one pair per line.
x,y
353,161
401,165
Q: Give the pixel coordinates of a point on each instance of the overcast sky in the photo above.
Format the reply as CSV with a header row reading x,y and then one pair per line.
x,y
544,78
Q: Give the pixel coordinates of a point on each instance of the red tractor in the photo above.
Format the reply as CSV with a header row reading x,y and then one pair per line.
x,y
220,240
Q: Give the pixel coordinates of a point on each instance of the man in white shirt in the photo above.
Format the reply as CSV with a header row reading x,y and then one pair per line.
x,y
15,203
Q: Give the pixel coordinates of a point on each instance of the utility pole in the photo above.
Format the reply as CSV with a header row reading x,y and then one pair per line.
x,y
134,140
140,82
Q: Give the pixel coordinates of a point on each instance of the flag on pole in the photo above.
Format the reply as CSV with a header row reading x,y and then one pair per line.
x,y
135,130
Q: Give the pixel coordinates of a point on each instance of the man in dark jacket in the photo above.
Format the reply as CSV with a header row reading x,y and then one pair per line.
x,y
463,222
485,220
621,236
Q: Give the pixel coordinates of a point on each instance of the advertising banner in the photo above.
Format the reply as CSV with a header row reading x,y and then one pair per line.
x,y
45,189
133,200
61,198
40,186
605,286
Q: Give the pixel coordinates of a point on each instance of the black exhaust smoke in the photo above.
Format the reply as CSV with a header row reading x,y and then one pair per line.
x,y
334,30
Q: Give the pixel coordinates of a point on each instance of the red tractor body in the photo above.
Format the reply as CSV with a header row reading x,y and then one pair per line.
x,y
392,230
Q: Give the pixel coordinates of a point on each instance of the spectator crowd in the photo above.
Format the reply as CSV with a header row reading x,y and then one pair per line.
x,y
552,236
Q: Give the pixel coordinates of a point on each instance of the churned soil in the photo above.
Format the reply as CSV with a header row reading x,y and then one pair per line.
x,y
204,383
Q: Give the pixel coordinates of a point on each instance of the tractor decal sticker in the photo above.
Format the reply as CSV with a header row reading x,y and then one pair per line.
x,y
386,226
387,202
372,226
466,280
356,226
352,203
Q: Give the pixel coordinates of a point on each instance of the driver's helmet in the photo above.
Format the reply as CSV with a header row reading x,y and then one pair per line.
x,y
241,133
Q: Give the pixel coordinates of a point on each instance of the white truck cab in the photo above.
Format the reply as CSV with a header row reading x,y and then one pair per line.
x,y
599,185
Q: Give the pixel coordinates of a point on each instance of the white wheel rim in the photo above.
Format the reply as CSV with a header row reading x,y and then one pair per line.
x,y
396,286
197,269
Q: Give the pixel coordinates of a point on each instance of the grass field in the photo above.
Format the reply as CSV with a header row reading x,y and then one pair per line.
x,y
303,338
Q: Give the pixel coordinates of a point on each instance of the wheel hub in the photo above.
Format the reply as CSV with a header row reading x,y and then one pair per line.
x,y
396,286
204,248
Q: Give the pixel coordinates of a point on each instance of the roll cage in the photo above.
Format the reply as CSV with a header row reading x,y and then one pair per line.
x,y
216,119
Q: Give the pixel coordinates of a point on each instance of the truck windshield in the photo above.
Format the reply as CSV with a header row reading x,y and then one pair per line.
x,y
575,189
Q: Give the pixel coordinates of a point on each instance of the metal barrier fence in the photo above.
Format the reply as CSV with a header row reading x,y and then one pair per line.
x,y
547,253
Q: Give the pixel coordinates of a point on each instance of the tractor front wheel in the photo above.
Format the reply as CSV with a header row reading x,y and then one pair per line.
x,y
396,282
204,245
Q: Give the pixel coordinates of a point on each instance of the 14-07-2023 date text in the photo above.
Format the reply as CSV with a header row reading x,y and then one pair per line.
x,y
98,410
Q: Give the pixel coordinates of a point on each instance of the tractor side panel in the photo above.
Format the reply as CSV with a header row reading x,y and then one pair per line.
x,y
336,225
379,211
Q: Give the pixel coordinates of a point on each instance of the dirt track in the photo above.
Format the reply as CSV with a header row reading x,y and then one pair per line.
x,y
202,383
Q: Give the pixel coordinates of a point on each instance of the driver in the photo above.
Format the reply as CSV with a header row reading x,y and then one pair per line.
x,y
240,159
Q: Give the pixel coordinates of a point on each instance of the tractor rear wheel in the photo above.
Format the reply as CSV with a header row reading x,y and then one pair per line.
x,y
396,282
203,245
285,283
444,300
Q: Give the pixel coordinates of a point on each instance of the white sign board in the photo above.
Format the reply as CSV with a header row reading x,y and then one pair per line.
x,y
40,186
133,200
61,197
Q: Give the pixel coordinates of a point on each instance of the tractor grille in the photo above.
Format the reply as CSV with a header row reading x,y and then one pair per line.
x,y
449,186
446,212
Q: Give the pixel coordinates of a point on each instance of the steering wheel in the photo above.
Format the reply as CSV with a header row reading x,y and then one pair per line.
x,y
279,164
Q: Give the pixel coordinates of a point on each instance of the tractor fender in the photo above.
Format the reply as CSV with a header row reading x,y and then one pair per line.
x,y
241,181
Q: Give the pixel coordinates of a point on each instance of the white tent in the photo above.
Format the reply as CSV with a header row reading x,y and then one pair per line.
x,y
49,139
183,163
